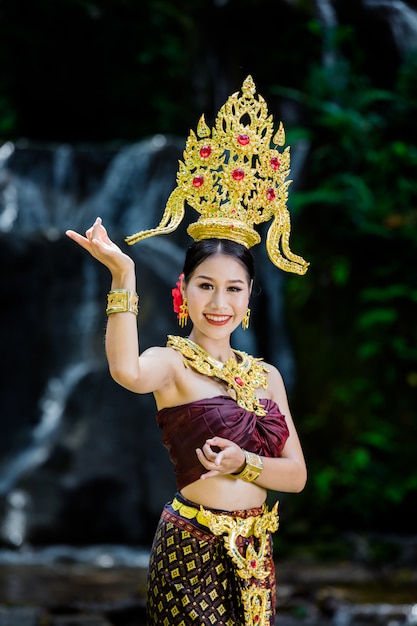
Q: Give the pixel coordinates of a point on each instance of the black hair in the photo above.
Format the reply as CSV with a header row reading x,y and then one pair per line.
x,y
199,251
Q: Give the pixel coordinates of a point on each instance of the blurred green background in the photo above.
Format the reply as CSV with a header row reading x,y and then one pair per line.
x,y
114,72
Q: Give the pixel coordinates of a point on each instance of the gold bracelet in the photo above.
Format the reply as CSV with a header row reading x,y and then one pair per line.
x,y
253,467
121,300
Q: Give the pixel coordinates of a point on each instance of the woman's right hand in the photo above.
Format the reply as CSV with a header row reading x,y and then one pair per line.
x,y
102,248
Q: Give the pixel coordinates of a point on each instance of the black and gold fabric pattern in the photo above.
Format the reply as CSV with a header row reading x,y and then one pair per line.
x,y
212,567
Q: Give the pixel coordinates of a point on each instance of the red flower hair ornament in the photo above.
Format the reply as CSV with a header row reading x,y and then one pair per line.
x,y
180,303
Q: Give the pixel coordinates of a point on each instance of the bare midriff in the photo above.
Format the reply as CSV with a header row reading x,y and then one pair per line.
x,y
225,492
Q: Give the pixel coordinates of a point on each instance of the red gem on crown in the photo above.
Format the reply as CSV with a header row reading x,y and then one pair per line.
x,y
275,163
243,139
238,381
205,152
198,181
238,174
270,193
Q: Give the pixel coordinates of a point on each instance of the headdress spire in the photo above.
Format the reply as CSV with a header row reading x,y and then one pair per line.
x,y
235,176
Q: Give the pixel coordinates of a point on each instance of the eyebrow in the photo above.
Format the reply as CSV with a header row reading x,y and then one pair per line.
x,y
233,280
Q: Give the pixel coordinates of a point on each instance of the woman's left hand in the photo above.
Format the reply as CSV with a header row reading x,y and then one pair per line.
x,y
229,460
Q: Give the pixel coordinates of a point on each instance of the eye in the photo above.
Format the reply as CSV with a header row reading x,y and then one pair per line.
x,y
235,289
206,286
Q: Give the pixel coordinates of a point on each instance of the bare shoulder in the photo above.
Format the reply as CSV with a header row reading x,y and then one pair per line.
x,y
276,386
274,375
167,357
157,352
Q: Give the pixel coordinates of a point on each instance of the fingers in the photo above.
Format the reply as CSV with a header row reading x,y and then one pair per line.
x,y
96,231
218,442
94,236
207,465
82,241
211,459
226,460
210,474
206,457
209,453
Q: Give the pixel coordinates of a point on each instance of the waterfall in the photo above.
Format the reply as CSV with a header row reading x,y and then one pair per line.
x,y
401,19
45,433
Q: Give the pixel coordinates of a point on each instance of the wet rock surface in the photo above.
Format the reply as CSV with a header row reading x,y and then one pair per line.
x,y
105,586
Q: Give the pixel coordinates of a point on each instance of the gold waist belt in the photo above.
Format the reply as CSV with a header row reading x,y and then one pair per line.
x,y
251,565
232,527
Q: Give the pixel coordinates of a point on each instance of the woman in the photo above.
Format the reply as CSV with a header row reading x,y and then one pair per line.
x,y
227,424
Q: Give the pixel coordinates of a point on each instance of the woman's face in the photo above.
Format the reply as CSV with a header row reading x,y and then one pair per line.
x,y
218,295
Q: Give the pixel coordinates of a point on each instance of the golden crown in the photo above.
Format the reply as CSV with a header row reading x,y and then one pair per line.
x,y
235,177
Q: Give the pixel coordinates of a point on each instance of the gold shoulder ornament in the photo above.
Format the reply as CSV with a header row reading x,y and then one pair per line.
x,y
242,373
235,176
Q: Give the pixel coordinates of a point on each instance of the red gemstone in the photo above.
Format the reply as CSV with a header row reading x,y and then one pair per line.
x,y
256,619
275,163
238,381
238,174
243,139
253,563
205,152
198,181
270,193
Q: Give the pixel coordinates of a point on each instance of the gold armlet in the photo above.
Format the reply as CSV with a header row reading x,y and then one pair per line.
x,y
121,300
253,467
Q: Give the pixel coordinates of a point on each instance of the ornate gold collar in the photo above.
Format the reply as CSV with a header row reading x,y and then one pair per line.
x,y
242,373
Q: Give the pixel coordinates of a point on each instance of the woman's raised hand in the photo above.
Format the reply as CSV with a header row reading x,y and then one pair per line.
x,y
102,248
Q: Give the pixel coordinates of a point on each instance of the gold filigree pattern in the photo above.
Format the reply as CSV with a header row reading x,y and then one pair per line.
x,y
257,606
235,176
255,598
242,373
252,564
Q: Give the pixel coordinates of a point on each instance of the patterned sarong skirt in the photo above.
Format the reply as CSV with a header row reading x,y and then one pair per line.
x,y
212,567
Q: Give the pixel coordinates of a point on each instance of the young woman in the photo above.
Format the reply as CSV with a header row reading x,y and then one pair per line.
x,y
226,422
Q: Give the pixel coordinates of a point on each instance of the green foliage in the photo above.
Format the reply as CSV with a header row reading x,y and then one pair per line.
x,y
354,315
120,70
85,71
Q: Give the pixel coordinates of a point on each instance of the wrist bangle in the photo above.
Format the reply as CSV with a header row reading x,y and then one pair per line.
x,y
121,300
253,467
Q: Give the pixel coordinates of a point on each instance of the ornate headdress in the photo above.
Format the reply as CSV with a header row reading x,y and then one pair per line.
x,y
235,177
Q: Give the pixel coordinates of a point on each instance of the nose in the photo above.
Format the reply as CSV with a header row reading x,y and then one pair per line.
x,y
218,300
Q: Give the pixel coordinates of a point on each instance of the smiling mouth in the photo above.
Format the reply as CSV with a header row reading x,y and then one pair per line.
x,y
217,319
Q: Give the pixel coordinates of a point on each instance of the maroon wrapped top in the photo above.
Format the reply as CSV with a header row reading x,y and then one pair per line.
x,y
186,427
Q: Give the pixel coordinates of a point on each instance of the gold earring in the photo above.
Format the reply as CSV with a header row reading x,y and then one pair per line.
x,y
183,314
245,321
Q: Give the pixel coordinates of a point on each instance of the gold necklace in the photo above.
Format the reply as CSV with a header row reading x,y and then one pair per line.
x,y
243,375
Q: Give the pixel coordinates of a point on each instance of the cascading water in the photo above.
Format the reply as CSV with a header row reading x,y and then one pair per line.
x,y
44,435
400,18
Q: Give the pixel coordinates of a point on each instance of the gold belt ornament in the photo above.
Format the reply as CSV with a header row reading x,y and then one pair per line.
x,y
256,599
252,564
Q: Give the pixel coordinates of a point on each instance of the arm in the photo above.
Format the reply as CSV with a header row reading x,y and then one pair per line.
x,y
287,473
150,371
